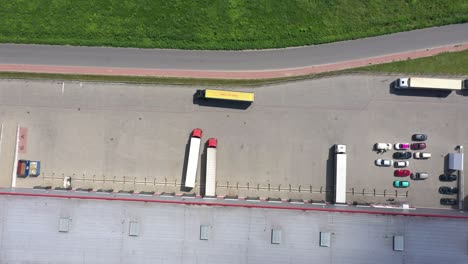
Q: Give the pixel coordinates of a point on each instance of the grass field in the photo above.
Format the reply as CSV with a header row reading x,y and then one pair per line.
x,y
454,63
216,24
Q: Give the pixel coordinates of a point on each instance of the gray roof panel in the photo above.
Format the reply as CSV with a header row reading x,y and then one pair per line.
x,y
99,233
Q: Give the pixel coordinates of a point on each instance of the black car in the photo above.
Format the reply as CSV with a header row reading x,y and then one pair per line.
x,y
402,155
448,201
448,177
448,190
419,137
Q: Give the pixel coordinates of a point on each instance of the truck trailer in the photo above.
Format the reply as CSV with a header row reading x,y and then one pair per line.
x,y
194,153
28,168
225,95
210,182
340,174
430,83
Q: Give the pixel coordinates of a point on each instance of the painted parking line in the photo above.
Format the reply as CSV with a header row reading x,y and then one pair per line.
x,y
23,140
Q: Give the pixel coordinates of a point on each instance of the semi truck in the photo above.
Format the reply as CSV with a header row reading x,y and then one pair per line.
x,y
210,182
194,153
430,83
340,174
28,168
225,95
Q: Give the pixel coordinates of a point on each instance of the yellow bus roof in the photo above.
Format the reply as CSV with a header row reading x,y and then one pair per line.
x,y
229,95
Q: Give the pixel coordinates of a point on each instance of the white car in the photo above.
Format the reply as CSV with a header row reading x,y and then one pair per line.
x,y
401,164
384,162
383,146
402,145
422,155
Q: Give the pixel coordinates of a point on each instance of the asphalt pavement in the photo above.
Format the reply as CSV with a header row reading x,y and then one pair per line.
x,y
235,60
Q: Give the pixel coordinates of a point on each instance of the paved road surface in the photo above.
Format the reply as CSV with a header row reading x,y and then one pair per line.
x,y
234,60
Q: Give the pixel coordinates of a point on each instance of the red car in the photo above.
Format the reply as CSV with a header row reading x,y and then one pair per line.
x,y
402,173
416,146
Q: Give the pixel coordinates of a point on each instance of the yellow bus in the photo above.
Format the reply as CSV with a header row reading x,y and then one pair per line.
x,y
225,95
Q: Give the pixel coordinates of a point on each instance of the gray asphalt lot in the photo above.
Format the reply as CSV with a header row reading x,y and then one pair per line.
x,y
234,60
134,137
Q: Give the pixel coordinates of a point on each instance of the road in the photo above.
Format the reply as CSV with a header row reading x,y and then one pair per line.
x,y
253,60
134,137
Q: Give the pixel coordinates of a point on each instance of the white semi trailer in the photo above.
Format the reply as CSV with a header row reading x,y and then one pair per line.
x,y
194,154
340,174
210,183
430,83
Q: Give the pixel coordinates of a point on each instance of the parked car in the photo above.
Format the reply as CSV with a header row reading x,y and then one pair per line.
x,y
402,173
419,137
402,146
383,146
448,190
384,162
401,164
448,201
418,146
448,177
402,155
419,176
422,155
401,184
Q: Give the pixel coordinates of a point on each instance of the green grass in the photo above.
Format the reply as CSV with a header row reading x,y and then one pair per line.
x,y
142,80
453,63
161,80
217,24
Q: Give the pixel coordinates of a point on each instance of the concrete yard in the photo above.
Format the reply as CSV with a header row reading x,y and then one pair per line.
x,y
134,137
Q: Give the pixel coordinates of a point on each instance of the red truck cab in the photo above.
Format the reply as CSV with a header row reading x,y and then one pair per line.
x,y
212,143
197,132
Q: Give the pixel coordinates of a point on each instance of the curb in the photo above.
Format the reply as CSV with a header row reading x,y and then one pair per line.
x,y
242,205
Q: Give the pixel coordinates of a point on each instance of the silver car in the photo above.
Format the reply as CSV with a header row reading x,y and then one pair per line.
x,y
419,176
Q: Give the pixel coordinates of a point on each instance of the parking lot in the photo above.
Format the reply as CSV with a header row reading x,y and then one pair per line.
x,y
134,137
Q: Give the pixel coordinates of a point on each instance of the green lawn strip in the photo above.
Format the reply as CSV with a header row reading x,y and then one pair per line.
x,y
135,79
217,24
160,80
124,79
451,63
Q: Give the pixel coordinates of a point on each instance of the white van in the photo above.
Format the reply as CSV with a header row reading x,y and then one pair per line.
x,y
422,155
383,146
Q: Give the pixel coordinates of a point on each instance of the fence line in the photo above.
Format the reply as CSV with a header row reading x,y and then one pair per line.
x,y
229,186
